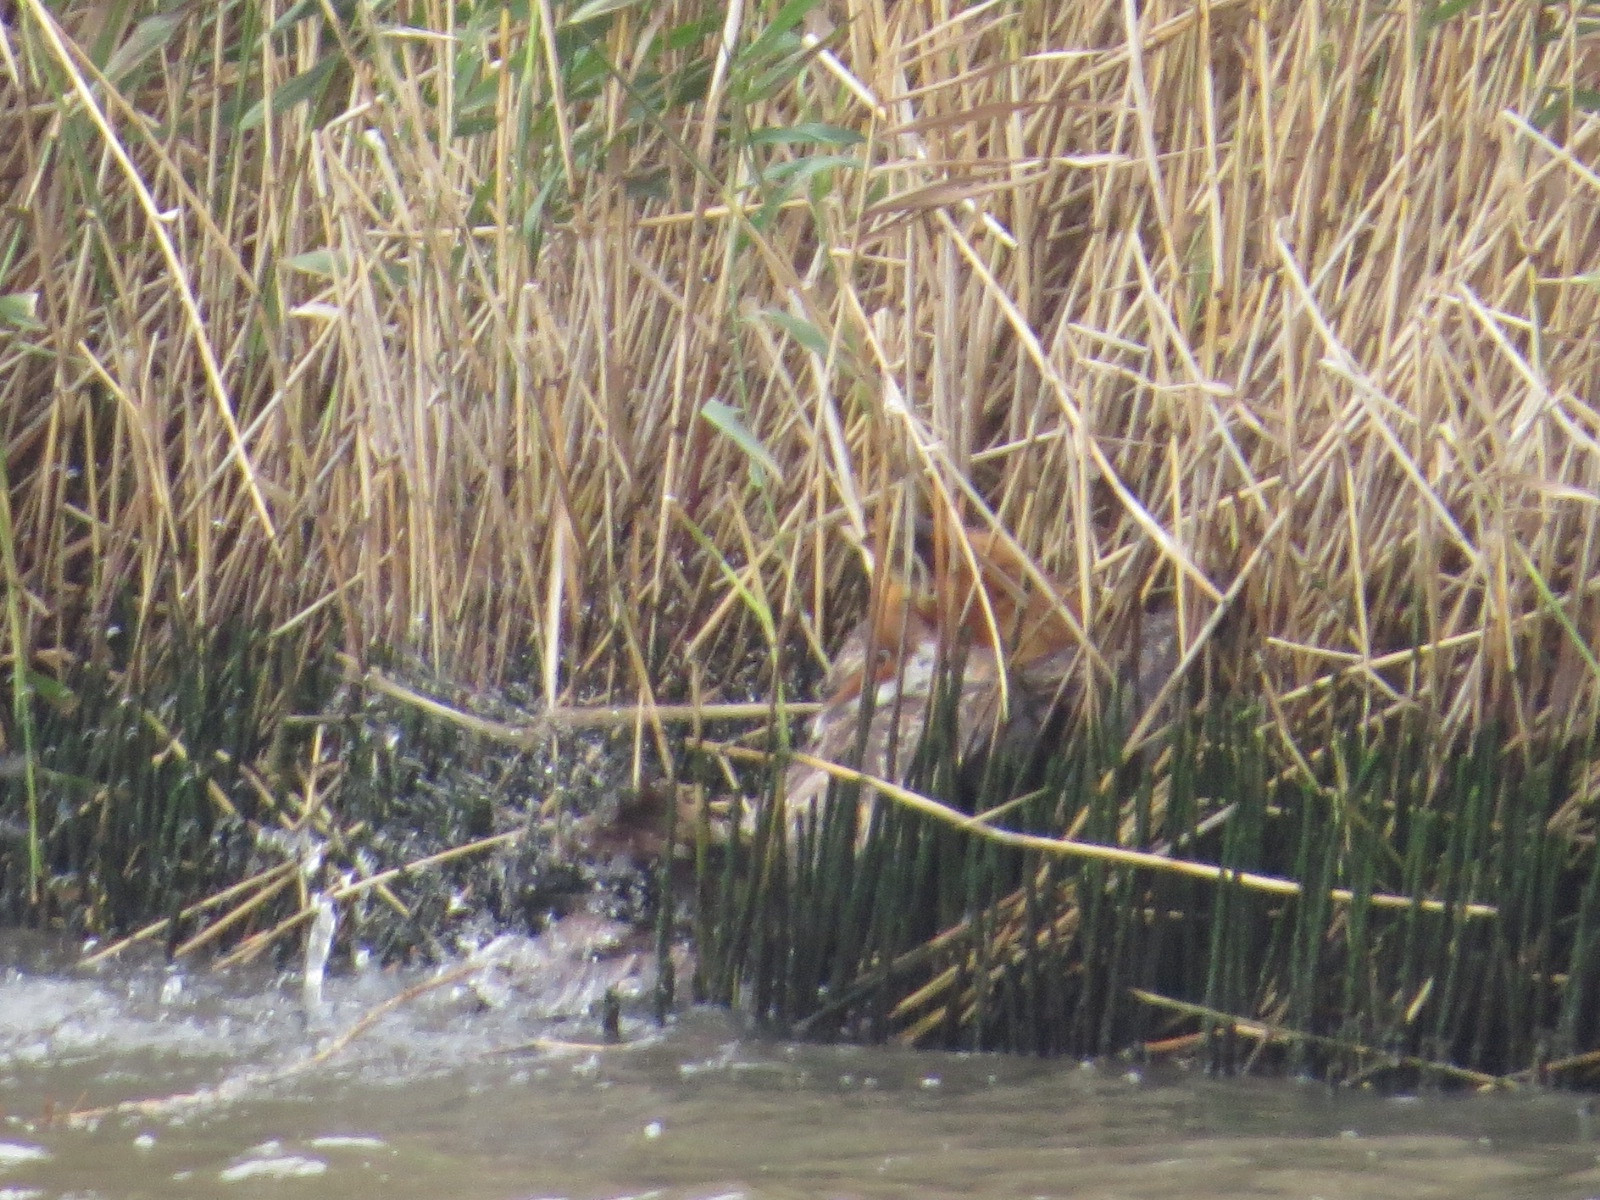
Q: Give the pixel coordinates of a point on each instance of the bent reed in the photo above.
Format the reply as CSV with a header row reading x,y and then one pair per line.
x,y
612,351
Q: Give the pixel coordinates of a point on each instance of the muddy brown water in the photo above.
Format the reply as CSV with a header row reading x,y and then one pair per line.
x,y
498,1093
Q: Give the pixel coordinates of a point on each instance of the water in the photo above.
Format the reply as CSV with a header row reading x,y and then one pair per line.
x,y
496,1092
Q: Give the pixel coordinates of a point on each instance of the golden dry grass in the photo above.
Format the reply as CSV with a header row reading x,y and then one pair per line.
x,y
405,327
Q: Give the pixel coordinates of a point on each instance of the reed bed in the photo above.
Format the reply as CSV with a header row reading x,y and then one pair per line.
x,y
608,349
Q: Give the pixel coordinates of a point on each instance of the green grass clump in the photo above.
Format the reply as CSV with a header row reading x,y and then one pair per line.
x,y
604,349
1370,917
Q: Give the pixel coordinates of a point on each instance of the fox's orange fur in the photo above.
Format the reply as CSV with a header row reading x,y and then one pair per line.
x,y
895,651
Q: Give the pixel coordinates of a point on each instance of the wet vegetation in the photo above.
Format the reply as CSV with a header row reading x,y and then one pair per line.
x,y
425,425
1366,928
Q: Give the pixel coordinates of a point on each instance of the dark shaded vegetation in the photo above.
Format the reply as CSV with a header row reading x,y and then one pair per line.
x,y
557,356
1367,924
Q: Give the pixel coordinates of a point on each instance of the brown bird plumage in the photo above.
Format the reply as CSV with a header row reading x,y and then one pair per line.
x,y
895,653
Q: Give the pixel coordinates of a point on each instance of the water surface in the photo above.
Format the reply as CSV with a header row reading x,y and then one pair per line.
x,y
464,1093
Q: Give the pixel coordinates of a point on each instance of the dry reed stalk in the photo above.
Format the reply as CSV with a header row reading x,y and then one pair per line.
x,y
404,334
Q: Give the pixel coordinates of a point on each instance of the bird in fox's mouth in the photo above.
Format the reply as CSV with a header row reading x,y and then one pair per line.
x,y
1018,649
